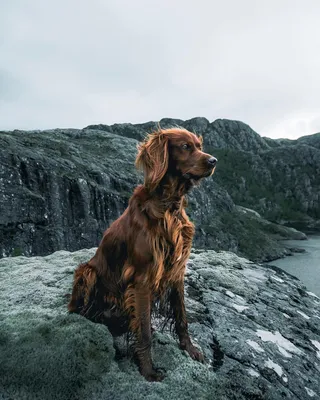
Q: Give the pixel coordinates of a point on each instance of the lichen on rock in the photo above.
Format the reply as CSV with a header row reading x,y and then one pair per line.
x,y
242,315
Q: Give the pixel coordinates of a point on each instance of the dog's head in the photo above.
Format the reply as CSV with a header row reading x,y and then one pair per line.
x,y
176,152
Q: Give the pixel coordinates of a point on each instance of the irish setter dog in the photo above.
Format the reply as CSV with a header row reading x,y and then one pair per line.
x,y
142,256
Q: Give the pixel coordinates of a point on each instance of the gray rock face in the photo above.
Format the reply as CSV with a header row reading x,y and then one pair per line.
x,y
277,178
60,189
282,183
258,328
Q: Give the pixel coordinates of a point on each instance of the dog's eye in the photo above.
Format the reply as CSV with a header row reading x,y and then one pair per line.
x,y
185,146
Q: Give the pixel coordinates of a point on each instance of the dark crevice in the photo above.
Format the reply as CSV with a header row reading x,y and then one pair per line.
x,y
218,354
24,174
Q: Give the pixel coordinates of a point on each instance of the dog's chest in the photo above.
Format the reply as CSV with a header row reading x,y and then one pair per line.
x,y
178,234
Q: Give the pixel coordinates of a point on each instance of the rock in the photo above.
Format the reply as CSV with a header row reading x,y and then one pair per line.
x,y
258,328
280,183
61,188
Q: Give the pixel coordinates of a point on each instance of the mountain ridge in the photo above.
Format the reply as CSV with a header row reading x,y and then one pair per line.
x,y
61,188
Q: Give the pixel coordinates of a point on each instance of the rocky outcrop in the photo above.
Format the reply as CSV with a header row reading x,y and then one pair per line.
x,y
277,178
258,328
281,183
60,189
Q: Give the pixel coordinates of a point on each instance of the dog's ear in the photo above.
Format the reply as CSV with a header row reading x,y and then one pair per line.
x,y
153,159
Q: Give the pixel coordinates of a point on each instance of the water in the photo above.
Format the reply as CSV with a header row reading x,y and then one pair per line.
x,y
305,266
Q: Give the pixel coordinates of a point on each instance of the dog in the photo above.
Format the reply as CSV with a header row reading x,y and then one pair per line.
x,y
142,255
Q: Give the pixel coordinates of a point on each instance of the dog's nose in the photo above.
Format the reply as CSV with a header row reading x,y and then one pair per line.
x,y
212,161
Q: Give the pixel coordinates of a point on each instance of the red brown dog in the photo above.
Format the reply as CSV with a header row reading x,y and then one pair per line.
x,y
142,256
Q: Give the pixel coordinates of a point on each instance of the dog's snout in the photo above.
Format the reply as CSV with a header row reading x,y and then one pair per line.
x,y
212,161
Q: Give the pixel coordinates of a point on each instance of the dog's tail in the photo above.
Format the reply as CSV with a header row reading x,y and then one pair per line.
x,y
84,288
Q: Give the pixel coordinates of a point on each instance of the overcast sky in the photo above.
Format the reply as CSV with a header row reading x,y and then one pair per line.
x,y
71,63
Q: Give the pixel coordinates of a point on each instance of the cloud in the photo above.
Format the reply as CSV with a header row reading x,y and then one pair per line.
x,y
295,125
70,64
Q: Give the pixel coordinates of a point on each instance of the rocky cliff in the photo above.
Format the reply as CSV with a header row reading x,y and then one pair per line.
x,y
280,179
258,328
60,189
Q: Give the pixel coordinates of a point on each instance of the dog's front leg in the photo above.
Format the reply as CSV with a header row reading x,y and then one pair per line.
x,y
181,324
141,326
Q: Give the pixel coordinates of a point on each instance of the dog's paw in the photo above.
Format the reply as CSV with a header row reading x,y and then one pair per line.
x,y
194,353
153,375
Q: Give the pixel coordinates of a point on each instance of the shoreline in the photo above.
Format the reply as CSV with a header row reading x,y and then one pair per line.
x,y
292,250
303,264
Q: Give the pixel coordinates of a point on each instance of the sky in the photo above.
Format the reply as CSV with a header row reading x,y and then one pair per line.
x,y
71,63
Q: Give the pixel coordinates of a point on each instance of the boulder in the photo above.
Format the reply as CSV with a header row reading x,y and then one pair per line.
x,y
258,328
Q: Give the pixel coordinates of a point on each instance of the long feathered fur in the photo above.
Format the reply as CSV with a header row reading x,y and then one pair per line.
x,y
142,256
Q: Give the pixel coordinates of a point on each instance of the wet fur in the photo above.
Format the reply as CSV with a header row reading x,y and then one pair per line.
x,y
142,256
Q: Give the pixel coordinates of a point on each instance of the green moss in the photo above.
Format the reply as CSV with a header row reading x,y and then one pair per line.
x,y
243,175
16,252
249,233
